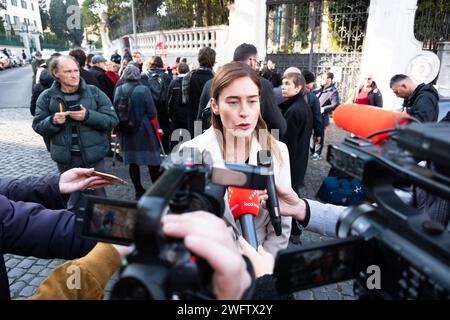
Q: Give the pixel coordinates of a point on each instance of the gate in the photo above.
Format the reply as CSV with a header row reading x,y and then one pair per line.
x,y
318,35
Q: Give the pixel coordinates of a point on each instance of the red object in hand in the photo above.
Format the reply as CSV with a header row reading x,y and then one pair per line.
x,y
154,122
363,120
243,201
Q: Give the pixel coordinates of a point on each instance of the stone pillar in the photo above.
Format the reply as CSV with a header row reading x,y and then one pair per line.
x,y
247,23
26,41
443,83
390,47
37,41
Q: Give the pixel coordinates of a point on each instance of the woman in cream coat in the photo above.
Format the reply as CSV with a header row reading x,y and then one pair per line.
x,y
237,134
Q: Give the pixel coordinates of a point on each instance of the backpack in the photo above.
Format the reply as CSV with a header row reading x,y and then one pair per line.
x,y
129,119
157,86
177,111
341,189
205,117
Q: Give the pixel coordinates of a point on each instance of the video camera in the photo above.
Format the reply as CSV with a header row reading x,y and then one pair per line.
x,y
160,267
392,249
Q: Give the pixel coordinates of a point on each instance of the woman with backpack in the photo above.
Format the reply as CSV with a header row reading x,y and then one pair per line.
x,y
138,127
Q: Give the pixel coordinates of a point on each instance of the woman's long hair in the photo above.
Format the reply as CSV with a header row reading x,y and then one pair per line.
x,y
227,74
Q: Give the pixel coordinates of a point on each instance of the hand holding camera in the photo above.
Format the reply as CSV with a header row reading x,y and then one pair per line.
x,y
207,236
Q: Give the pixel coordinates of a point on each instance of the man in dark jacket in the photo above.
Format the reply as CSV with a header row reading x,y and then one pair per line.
x,y
271,74
177,110
329,100
420,101
80,56
193,83
247,53
45,82
115,57
98,70
77,138
32,229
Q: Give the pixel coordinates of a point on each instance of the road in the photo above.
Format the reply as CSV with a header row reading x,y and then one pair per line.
x,y
15,87
24,154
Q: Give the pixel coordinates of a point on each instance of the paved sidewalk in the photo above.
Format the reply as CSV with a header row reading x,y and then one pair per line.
x,y
24,154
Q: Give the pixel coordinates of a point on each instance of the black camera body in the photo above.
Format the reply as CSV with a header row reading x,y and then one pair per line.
x,y
392,249
160,267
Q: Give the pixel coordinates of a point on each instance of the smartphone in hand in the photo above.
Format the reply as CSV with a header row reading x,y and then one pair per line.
x,y
76,107
110,177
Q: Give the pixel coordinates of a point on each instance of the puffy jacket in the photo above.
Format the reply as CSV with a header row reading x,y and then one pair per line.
x,y
93,131
29,229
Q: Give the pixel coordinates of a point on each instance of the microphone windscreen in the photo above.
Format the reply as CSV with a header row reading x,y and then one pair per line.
x,y
363,120
243,201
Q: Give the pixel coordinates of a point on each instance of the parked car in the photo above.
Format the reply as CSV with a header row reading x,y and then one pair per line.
x,y
16,60
5,63
444,107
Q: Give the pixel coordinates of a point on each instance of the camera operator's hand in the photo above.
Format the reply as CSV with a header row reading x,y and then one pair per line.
x,y
208,237
263,262
78,179
290,204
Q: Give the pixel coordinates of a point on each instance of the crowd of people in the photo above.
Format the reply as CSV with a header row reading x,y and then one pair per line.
x,y
79,99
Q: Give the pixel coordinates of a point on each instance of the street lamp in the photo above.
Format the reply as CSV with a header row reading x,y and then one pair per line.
x,y
133,17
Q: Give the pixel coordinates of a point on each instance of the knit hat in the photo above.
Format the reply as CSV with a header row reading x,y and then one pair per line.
x,y
132,73
309,76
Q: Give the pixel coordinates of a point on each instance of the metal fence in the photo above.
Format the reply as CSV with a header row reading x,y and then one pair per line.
x,y
318,35
432,22
8,40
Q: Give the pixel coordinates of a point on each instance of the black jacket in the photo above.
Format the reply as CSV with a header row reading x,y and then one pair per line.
x,y
45,82
89,78
423,103
314,104
374,97
29,229
116,58
269,106
177,110
197,82
105,84
329,100
299,120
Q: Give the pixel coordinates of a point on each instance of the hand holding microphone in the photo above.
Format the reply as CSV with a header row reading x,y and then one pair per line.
x,y
244,205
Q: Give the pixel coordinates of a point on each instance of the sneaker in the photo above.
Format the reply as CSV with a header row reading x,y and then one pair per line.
x,y
315,157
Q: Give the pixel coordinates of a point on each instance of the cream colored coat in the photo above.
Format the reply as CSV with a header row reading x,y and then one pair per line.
x,y
282,173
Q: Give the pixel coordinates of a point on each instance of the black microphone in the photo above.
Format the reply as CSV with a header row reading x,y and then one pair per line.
x,y
265,160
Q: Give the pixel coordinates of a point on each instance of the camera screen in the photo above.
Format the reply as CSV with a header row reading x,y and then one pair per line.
x,y
317,265
110,222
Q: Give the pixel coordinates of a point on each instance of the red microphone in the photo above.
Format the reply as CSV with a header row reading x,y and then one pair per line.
x,y
244,205
363,120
